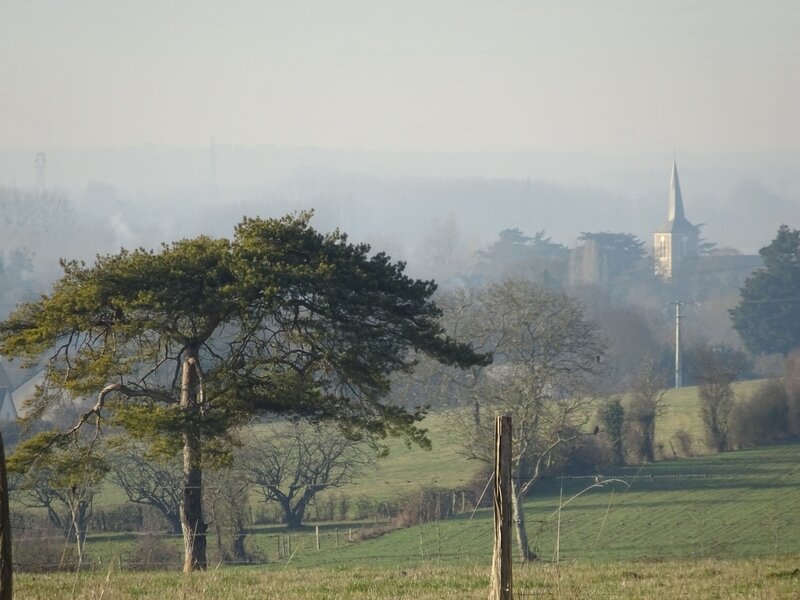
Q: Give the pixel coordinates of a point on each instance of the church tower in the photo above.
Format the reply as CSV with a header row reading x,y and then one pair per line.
x,y
678,241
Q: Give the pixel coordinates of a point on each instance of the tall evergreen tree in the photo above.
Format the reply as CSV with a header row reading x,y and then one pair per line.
x,y
768,314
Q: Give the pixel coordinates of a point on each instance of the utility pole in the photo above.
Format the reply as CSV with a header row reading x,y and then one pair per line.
x,y
678,364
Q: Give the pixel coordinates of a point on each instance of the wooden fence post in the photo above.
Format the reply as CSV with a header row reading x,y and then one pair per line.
x,y
5,530
317,532
501,581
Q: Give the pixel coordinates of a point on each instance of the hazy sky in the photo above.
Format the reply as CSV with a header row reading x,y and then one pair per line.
x,y
616,77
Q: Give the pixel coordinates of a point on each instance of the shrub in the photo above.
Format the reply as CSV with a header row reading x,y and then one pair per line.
x,y
423,506
152,552
123,518
588,455
343,507
364,508
40,549
611,418
792,384
682,443
324,506
430,504
268,513
763,418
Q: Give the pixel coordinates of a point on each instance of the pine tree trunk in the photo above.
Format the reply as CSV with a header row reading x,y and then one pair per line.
x,y
194,529
192,524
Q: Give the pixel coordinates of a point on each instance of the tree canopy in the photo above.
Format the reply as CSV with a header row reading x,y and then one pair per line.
x,y
623,252
768,314
517,255
184,344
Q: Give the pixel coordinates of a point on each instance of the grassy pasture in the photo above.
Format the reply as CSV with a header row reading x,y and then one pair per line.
x,y
733,505
770,578
682,413
738,504
405,469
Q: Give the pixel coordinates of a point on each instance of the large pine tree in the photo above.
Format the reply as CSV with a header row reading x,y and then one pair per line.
x,y
182,345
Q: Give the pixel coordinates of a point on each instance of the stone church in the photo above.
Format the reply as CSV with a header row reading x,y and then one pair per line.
x,y
678,253
677,245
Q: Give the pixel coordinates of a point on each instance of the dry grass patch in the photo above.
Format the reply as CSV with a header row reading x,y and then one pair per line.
x,y
763,578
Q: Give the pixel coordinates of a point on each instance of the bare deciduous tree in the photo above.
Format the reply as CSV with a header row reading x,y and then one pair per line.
x,y
294,461
546,355
65,485
227,499
646,404
714,370
150,480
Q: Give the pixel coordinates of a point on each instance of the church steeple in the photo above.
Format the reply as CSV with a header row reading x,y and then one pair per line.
x,y
675,199
679,239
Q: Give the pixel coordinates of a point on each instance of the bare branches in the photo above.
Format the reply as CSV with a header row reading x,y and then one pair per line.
x,y
149,481
645,406
298,460
545,353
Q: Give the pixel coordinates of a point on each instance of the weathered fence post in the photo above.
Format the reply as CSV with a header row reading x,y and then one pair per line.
x,y
317,532
501,586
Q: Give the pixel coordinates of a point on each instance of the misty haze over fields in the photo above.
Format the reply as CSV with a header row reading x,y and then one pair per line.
x,y
164,120
396,201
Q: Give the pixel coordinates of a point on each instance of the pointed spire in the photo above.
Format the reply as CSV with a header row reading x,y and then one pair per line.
x,y
675,198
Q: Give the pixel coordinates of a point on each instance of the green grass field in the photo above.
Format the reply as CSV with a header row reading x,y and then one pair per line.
x,y
406,469
708,526
682,414
739,504
733,505
736,505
